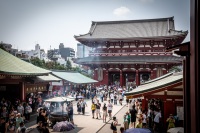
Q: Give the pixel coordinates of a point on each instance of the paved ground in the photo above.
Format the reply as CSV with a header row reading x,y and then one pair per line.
x,y
119,115
85,123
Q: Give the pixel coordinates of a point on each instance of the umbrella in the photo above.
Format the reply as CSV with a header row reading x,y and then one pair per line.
x,y
80,96
138,130
59,99
176,130
63,126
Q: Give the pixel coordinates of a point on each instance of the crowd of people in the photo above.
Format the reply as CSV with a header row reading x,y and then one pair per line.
x,y
15,113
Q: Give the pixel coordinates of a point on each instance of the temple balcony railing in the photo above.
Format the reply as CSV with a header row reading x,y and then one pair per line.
x,y
130,53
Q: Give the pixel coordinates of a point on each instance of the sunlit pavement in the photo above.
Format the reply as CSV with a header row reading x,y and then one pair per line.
x,y
86,124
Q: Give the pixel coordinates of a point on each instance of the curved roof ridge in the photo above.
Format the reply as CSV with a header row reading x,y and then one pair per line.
x,y
159,78
137,20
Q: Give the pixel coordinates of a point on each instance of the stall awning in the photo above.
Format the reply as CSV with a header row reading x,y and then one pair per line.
x,y
156,85
49,78
74,77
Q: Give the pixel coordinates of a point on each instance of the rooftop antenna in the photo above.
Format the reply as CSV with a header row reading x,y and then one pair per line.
x,y
50,47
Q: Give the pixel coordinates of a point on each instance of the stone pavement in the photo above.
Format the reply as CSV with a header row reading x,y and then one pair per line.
x,y
85,123
120,117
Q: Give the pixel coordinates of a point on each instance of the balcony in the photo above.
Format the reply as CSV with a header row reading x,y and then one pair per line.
x,y
129,53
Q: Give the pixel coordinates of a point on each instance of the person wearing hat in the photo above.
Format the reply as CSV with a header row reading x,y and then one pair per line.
x,y
171,121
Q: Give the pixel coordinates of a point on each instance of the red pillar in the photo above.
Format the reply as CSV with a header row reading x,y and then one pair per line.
x,y
152,75
107,77
121,78
137,78
144,104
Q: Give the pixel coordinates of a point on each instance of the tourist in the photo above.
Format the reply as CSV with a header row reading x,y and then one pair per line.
x,y
101,96
111,97
157,121
120,99
18,120
114,125
42,116
139,124
115,99
28,110
83,105
93,108
104,112
20,109
150,118
144,119
176,118
98,106
127,118
130,105
171,121
133,113
21,126
127,102
110,106
70,111
121,129
79,106
11,122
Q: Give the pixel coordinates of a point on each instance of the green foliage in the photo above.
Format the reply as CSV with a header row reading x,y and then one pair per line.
x,y
51,65
68,65
48,65
38,62
76,69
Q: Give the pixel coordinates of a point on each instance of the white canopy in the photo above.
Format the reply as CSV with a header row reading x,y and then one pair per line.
x,y
59,99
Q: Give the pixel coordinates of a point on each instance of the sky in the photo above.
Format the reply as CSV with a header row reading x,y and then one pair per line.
x,y
25,23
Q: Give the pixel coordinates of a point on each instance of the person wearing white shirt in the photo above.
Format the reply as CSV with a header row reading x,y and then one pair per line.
x,y
157,121
110,106
130,106
144,119
20,109
111,97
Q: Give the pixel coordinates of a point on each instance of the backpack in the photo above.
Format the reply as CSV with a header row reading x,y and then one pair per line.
x,y
115,97
112,127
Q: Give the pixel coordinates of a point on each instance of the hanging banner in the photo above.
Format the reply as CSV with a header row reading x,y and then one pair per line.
x,y
100,74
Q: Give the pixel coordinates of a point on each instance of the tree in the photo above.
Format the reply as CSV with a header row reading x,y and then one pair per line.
x,y
38,62
68,65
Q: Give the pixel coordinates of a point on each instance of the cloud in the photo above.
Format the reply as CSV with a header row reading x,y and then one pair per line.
x,y
145,1
121,11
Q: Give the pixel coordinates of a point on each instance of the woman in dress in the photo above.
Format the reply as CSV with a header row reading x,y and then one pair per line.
x,y
104,112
